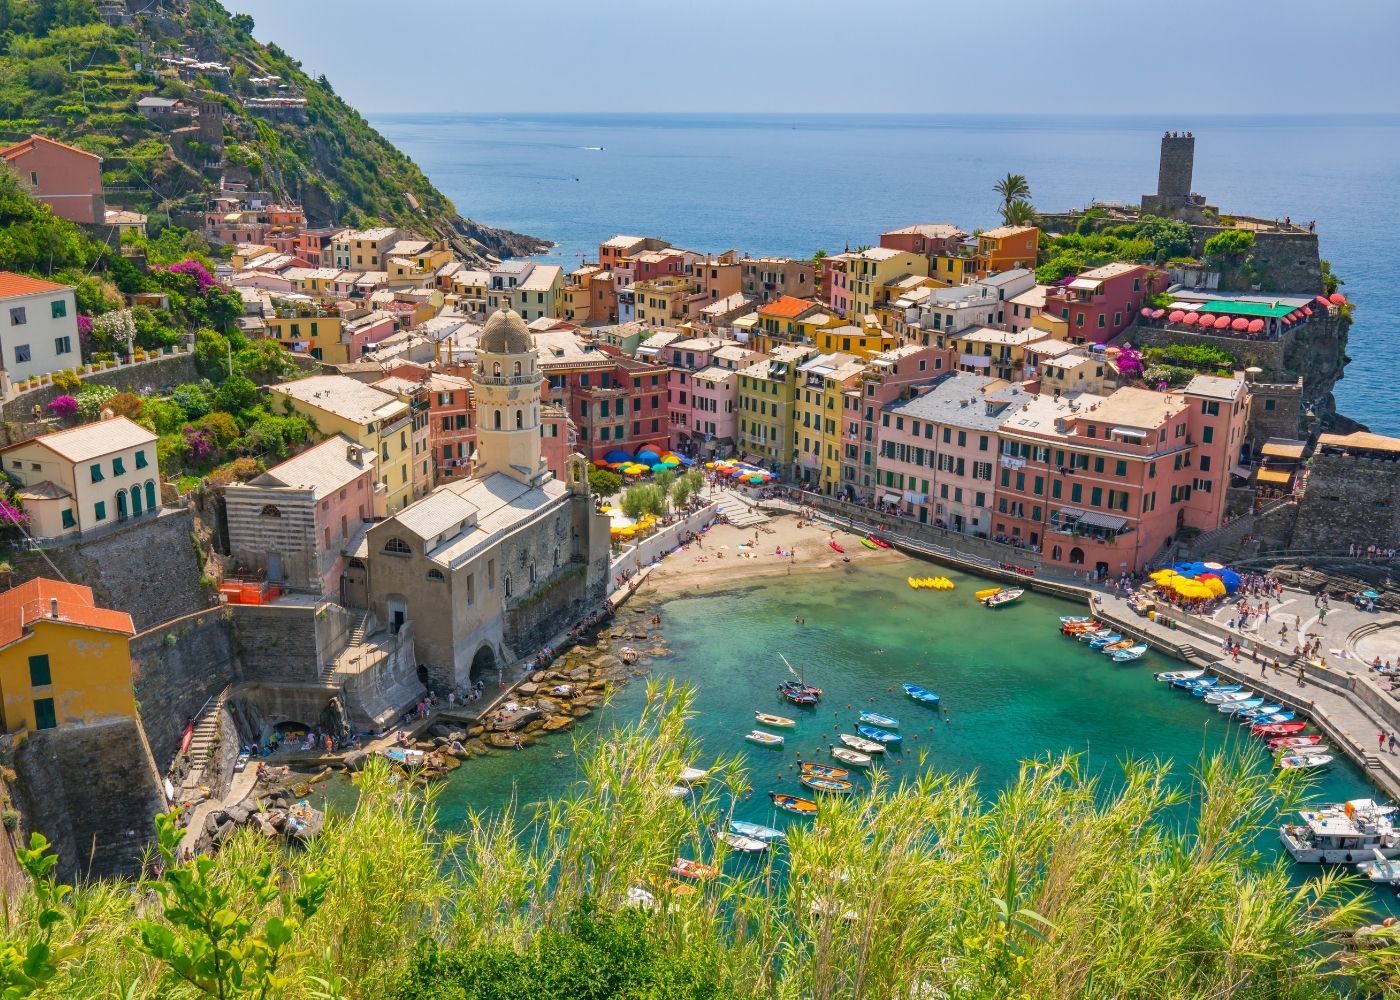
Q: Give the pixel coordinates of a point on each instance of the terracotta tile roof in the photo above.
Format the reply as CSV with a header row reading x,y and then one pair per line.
x,y
26,145
89,441
33,599
12,284
787,307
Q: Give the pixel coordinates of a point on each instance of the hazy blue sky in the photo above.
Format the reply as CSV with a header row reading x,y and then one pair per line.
x,y
1081,56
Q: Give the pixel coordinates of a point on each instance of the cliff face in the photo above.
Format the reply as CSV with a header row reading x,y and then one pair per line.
x,y
74,73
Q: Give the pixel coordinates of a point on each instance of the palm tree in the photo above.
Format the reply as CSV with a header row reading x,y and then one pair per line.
x,y
1012,187
1018,213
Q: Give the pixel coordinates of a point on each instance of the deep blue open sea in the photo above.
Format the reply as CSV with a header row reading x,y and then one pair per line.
x,y
790,184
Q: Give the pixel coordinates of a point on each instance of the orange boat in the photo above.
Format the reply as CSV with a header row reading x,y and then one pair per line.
x,y
686,868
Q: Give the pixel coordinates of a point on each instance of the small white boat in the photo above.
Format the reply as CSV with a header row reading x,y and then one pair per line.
x,y
861,743
1179,675
1342,833
1314,762
851,757
678,791
691,775
757,831
764,739
1381,870
774,721
1003,597
1220,698
748,845
1130,654
640,898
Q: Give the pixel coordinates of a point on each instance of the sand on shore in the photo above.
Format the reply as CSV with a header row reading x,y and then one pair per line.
x,y
726,554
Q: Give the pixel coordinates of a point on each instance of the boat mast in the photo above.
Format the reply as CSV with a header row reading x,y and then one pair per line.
x,y
801,677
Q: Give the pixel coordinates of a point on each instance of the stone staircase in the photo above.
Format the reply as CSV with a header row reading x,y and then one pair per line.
x,y
738,513
206,730
354,641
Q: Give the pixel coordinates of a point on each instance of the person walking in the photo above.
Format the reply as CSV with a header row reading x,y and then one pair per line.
x,y
1392,741
1380,741
1300,676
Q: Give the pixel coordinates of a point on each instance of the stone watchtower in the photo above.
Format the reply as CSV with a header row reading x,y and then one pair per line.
x,y
507,387
1174,168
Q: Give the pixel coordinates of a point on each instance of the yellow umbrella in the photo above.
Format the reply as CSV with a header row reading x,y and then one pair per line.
x,y
1163,575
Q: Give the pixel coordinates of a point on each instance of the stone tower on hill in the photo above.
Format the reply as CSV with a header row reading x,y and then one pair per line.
x,y
1174,169
507,385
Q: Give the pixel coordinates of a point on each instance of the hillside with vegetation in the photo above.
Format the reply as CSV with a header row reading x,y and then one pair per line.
x,y
67,73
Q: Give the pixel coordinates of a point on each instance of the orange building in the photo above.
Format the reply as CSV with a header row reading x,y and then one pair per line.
x,y
1006,247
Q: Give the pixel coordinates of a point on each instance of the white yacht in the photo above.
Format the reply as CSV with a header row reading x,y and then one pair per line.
x,y
1343,833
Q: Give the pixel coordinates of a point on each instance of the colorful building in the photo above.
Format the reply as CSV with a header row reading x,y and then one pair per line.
x,y
63,660
817,422
614,402
767,389
66,178
874,274
76,481
928,239
767,278
888,377
787,320
589,296
862,341
662,301
998,353
1006,248
1100,303
1219,412
39,320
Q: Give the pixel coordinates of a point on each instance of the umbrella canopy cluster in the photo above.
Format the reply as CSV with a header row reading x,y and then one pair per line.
x,y
742,472
624,527
646,462
1197,581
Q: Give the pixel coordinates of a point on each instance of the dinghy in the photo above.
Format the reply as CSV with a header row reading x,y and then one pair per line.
x,y
794,804
836,547
880,735
824,770
764,739
1278,728
1293,742
1218,697
1114,647
921,694
876,719
748,845
1190,683
1130,654
755,830
869,543
1179,675
1003,597
1201,690
982,595
1314,762
686,868
863,745
691,775
851,757
817,783
1239,705
1072,619
1258,712
1091,636
1277,717
775,721
1100,641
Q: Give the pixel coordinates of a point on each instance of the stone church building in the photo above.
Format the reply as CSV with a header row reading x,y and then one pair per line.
x,y
487,569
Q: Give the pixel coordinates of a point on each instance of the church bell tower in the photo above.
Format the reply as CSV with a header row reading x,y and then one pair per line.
x,y
507,388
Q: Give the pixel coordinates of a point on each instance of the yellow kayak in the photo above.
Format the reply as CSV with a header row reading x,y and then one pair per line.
x,y
982,595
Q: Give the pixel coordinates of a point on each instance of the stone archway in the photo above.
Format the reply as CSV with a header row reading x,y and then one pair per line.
x,y
483,661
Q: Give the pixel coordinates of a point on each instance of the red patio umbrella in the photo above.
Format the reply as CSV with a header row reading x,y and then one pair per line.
x,y
1239,323
1221,322
1307,310
1176,316
1158,313
1206,319
1323,299
1337,299
1146,311
1255,325
1188,318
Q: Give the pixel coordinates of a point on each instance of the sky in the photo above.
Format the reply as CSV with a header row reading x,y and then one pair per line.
x,y
829,56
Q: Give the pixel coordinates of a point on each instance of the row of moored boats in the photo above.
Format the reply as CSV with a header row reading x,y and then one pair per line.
x,y
1098,636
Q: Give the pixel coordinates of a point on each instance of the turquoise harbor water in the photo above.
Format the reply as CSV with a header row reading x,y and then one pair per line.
x,y
789,184
1014,688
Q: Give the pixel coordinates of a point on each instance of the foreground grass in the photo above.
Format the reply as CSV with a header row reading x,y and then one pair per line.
x,y
1056,888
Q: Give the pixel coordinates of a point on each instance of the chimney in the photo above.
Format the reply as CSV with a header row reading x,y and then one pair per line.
x,y
353,453
53,607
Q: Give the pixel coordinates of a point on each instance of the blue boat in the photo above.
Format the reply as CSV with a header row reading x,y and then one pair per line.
x,y
876,719
756,830
1235,707
1130,654
879,735
921,694
1201,692
1251,713
1194,682
1105,640
1269,720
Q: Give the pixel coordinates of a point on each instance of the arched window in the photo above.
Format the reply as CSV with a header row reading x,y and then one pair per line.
x,y
121,505
509,586
398,547
1055,553
498,419
496,369
1076,556
435,576
135,500
519,419
151,495
517,368
270,510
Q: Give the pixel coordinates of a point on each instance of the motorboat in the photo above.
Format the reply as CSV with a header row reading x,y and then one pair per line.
x,y
1192,683
1309,762
793,803
774,721
881,736
1179,675
1258,712
1230,692
921,694
982,595
1003,597
817,783
1130,654
824,770
800,694
755,830
739,842
686,868
876,719
764,739
1381,870
1294,742
1291,728
1074,619
1230,707
861,744
1276,718
851,757
1342,833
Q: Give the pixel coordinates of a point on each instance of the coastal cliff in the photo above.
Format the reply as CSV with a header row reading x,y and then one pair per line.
x,y
237,110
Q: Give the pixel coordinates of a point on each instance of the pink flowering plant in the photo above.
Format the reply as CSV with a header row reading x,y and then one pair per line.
x,y
64,406
1130,363
11,512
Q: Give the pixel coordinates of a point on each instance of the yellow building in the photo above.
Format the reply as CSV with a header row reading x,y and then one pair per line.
x,y
789,320
327,334
88,477
874,276
818,402
661,301
1002,354
766,393
866,342
956,267
371,417
409,263
63,660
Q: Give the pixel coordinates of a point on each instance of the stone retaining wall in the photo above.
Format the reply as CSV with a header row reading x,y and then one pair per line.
x,y
177,668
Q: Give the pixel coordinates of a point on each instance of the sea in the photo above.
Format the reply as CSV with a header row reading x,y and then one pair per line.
x,y
791,184
1013,687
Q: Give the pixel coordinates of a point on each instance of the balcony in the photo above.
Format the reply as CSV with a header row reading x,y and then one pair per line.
x,y
505,379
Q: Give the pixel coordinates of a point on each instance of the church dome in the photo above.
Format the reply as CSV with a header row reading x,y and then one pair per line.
x,y
505,333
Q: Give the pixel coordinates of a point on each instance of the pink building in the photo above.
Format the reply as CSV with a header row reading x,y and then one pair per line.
x,y
890,376
67,179
927,238
938,450
1100,303
1096,484
703,394
1026,307
836,289
1219,413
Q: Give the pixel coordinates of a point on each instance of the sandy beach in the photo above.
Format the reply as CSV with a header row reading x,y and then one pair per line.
x,y
726,554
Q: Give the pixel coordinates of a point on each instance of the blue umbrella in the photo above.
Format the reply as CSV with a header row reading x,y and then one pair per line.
x,y
617,456
1231,579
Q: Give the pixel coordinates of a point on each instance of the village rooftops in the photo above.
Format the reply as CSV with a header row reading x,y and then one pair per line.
x,y
622,242
1215,387
14,285
1009,277
408,248
1038,414
727,304
931,230
28,145
698,344
370,235
713,373
957,399
323,468
42,599
787,307
345,397
835,365
1004,232
1141,409
876,253
89,441
459,519
1051,349
733,352
541,278
987,335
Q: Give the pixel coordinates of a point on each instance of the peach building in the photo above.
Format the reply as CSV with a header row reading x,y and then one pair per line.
x,y
67,179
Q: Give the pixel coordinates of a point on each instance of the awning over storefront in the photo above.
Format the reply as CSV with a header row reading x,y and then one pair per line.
x,y
1275,476
1109,521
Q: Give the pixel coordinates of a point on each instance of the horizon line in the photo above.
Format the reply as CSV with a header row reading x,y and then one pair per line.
x,y
1211,116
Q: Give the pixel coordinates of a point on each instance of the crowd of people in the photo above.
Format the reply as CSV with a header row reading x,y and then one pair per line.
x,y
1370,552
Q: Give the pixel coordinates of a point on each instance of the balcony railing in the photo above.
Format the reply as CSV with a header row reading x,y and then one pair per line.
x,y
506,379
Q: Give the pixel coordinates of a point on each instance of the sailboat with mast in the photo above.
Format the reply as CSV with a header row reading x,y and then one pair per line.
x,y
798,691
